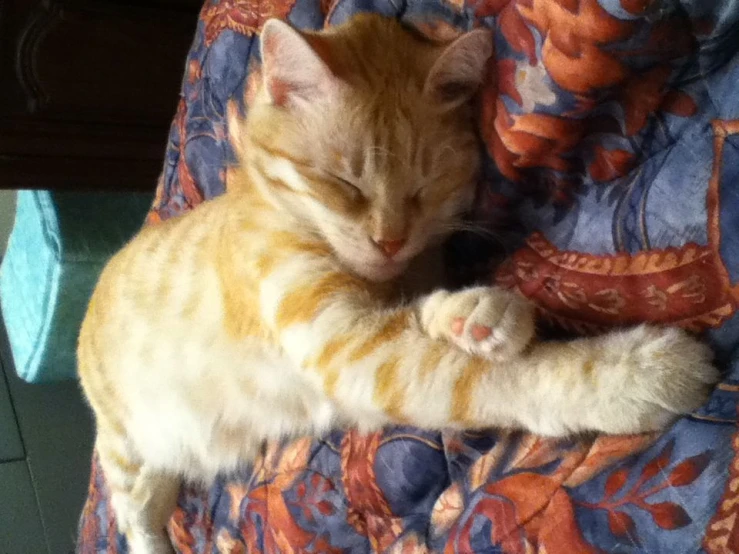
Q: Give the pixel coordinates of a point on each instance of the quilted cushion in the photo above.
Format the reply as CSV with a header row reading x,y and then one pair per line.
x,y
57,248
611,128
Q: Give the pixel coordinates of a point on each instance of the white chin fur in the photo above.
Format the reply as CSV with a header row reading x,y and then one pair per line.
x,y
380,272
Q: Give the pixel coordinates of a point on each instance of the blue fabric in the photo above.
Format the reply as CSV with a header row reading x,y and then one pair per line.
x,y
59,244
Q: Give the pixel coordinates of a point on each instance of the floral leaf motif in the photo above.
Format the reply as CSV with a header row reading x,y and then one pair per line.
x,y
560,532
636,7
507,80
528,492
487,8
606,452
610,164
573,43
300,491
325,507
236,493
689,470
622,525
641,95
666,515
481,470
320,483
281,533
447,509
536,452
516,32
295,456
657,464
669,515
616,481
679,103
505,532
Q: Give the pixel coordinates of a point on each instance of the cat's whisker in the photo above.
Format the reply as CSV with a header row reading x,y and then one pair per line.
x,y
371,151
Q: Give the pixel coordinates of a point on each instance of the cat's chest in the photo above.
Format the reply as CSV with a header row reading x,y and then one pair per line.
x,y
225,409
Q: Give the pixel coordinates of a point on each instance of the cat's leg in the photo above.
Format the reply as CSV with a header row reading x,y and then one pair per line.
x,y
645,375
485,321
626,381
379,365
142,498
148,506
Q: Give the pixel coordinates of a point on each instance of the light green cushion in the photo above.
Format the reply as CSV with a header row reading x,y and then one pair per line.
x,y
56,251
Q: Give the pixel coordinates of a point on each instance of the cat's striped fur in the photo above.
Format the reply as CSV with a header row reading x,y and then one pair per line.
x,y
267,312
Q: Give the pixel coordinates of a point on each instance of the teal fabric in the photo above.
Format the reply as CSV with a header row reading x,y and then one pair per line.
x,y
59,244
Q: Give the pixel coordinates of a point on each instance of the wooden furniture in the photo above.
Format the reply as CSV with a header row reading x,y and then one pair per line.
x,y
88,89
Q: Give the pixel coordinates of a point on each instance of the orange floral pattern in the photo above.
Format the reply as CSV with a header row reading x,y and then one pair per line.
x,y
576,35
242,16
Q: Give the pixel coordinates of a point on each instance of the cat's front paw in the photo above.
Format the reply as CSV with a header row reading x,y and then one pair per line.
x,y
483,321
654,375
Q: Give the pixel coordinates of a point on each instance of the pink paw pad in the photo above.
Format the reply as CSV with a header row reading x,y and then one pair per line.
x,y
458,326
480,332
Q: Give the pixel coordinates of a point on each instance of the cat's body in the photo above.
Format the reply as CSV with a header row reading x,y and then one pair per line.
x,y
270,311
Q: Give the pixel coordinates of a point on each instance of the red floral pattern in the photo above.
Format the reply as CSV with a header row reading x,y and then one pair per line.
x,y
585,292
242,16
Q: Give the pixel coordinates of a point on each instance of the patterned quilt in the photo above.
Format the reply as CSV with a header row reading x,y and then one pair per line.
x,y
612,133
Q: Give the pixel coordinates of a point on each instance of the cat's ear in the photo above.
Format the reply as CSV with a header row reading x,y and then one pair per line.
x,y
460,69
292,71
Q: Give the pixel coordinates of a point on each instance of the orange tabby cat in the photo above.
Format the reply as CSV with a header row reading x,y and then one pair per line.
x,y
260,314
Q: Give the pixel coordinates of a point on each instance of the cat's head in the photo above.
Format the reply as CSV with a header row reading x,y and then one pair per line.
x,y
365,133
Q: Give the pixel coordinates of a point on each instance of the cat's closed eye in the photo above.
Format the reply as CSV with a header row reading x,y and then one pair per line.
x,y
355,192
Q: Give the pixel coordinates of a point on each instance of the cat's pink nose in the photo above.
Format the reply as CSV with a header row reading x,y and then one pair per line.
x,y
390,247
